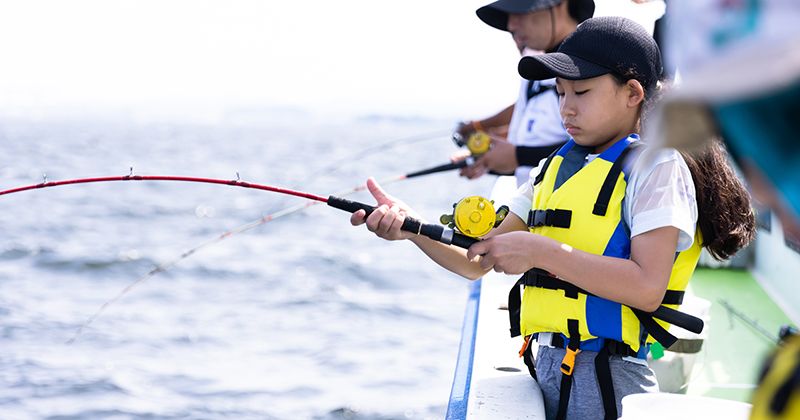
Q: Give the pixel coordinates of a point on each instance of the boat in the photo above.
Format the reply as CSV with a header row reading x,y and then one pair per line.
x,y
744,302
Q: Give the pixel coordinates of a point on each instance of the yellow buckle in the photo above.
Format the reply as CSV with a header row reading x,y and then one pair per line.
x,y
568,362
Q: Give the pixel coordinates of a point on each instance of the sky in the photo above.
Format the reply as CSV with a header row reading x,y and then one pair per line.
x,y
176,58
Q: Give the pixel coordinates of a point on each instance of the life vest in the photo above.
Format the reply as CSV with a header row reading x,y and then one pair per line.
x,y
778,393
582,207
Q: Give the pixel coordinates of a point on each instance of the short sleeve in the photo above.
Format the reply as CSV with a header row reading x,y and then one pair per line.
x,y
520,203
663,195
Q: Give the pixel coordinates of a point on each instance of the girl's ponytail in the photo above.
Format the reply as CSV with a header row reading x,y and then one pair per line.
x,y
725,216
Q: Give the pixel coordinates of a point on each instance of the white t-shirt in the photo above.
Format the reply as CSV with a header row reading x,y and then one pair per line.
x,y
660,192
535,122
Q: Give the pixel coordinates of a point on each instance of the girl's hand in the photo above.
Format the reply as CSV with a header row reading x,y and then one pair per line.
x,y
389,215
509,253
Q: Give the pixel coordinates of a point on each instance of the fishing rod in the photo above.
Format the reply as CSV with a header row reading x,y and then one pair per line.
x,y
435,232
240,229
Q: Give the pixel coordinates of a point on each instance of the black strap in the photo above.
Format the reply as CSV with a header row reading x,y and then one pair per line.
x,y
527,357
673,297
514,305
655,329
602,369
559,218
784,392
675,317
614,347
532,155
601,205
539,278
546,164
566,380
563,397
535,88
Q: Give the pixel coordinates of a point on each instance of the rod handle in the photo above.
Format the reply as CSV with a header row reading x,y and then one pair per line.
x,y
432,231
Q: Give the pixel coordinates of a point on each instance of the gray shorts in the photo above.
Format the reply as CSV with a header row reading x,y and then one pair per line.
x,y
585,402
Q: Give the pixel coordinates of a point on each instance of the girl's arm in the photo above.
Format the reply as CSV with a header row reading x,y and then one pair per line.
x,y
639,282
389,215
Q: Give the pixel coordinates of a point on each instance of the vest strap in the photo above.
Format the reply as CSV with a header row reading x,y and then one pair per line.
x,y
783,394
567,367
540,278
535,89
655,329
527,357
554,217
540,176
681,319
514,307
601,205
673,297
602,369
613,347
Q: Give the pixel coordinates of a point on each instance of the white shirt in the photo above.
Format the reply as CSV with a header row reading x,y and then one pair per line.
x,y
535,122
660,192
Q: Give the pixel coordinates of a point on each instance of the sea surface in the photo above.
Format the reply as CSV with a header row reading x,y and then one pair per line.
x,y
302,317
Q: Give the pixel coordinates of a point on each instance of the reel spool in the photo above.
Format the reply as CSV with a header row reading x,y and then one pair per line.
x,y
478,142
474,216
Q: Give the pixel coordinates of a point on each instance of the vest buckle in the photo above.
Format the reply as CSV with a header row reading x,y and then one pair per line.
x,y
552,217
568,362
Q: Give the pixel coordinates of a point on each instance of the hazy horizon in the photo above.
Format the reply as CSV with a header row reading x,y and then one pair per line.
x,y
202,59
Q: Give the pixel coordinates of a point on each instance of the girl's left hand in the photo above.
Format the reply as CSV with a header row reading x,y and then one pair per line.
x,y
509,253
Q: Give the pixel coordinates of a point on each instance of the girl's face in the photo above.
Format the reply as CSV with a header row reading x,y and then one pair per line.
x,y
598,111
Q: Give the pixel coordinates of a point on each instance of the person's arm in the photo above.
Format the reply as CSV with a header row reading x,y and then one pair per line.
x,y
389,215
639,282
498,120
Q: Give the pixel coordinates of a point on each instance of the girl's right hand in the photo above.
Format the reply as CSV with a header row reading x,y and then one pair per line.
x,y
389,215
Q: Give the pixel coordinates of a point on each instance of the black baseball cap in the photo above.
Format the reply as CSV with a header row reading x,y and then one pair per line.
x,y
599,46
496,14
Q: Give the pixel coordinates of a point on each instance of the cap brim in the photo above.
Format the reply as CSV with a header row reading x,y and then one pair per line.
x,y
496,14
548,66
493,17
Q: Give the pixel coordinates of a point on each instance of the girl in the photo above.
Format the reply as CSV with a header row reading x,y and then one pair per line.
x,y
606,244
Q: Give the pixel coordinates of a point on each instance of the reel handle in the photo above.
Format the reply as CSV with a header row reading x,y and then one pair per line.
x,y
435,232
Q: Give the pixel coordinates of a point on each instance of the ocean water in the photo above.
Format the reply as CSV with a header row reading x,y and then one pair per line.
x,y
304,317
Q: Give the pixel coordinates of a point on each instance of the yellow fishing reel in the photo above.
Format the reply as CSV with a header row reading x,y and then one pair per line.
x,y
474,216
478,143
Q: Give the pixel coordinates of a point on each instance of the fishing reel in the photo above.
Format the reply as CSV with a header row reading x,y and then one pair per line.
x,y
474,216
478,142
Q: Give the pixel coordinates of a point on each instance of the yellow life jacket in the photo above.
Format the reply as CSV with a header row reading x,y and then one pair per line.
x,y
585,212
778,395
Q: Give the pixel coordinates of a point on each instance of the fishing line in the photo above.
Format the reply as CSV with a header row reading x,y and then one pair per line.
x,y
265,219
338,164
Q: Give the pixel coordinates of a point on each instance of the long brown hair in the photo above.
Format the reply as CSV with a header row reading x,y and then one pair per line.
x,y
725,216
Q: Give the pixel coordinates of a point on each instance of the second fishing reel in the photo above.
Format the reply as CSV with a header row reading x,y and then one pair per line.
x,y
474,216
478,142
